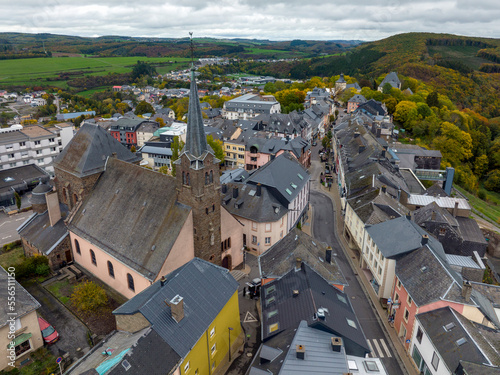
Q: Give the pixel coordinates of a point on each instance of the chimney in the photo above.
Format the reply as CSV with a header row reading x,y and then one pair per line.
x,y
176,307
328,255
466,291
295,293
379,132
113,155
383,153
53,208
408,216
224,188
259,190
336,344
301,351
374,128
455,209
384,189
356,134
298,264
162,281
425,239
235,192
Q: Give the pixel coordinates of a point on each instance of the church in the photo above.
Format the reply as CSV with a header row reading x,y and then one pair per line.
x,y
135,225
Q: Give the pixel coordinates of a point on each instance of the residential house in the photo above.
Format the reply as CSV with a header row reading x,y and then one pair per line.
x,y
355,102
157,152
426,282
459,235
145,132
125,129
299,299
416,157
20,333
354,86
33,145
234,147
340,84
186,323
249,106
456,206
372,108
298,246
44,232
391,79
292,124
444,342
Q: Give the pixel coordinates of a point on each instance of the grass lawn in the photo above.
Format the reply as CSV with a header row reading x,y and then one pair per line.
x,y
488,209
37,71
14,256
42,363
62,290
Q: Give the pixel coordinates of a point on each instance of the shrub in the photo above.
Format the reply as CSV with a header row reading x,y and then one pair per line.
x,y
88,296
32,266
481,194
42,270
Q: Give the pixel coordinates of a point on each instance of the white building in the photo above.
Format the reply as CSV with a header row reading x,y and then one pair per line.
x,y
249,106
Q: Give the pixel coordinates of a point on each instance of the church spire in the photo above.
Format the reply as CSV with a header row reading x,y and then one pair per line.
x,y
196,141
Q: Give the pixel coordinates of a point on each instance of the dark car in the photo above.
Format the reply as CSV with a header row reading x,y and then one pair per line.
x,y
49,334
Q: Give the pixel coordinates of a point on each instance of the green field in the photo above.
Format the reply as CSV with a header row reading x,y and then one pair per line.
x,y
464,54
276,53
40,71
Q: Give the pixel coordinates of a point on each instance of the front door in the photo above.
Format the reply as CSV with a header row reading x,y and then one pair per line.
x,y
68,256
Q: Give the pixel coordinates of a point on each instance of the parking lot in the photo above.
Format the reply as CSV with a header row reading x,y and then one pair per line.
x,y
9,224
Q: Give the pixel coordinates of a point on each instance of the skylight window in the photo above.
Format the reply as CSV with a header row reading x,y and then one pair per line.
x,y
300,176
352,323
341,298
270,300
461,341
293,185
449,326
288,191
270,314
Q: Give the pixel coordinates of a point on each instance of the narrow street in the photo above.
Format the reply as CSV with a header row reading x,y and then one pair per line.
x,y
324,230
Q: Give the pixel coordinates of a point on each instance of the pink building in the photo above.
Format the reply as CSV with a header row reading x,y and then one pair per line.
x,y
355,102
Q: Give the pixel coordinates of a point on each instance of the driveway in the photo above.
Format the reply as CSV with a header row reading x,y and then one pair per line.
x,y
73,333
9,224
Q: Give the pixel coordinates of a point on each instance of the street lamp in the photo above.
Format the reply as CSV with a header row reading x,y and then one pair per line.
x,y
229,330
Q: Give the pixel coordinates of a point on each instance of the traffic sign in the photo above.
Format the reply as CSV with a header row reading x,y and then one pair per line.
x,y
389,300
408,341
59,359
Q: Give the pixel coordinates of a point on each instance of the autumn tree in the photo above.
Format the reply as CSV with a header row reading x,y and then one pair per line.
x,y
88,296
177,145
217,146
144,107
406,112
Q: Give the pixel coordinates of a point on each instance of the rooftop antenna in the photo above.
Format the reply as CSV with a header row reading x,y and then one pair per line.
x,y
192,48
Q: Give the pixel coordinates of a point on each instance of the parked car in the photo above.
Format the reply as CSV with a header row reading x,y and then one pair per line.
x,y
49,334
314,143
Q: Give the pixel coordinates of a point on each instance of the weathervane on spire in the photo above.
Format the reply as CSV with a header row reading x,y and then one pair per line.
x,y
192,48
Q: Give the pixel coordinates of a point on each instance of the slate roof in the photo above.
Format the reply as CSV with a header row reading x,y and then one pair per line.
x,y
282,174
263,209
373,207
205,289
25,302
86,153
319,357
20,177
196,141
391,78
478,369
409,238
250,102
38,232
357,99
281,257
130,210
445,341
314,293
372,107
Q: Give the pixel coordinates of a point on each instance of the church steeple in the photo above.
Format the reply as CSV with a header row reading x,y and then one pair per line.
x,y
196,141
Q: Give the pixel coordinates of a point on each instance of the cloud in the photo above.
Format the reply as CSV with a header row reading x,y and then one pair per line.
x,y
262,19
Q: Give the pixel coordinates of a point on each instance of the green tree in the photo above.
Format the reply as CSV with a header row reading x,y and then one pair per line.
x,y
481,165
406,112
144,107
492,183
88,296
432,99
386,89
18,200
164,169
423,110
176,146
391,104
454,144
142,68
218,147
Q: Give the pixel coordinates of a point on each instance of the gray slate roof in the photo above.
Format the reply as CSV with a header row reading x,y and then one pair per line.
x,y
86,153
280,258
444,341
205,289
391,78
279,174
130,210
357,99
25,302
407,237
38,232
196,141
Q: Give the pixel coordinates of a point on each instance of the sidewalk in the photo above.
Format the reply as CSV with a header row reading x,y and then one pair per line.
x,y
391,335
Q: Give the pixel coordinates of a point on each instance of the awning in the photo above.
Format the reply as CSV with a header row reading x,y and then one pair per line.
x,y
20,339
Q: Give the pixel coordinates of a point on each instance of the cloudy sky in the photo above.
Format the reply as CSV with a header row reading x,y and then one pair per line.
x,y
262,19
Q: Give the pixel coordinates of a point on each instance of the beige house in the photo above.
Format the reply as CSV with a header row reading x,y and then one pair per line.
x,y
20,333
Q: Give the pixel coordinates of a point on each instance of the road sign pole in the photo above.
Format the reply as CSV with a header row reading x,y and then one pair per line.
x,y
59,360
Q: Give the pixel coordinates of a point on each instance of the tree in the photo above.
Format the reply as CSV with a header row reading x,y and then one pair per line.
x,y
141,69
325,142
176,147
454,144
144,107
386,89
432,99
492,183
423,110
481,165
405,112
88,296
133,149
163,169
218,147
18,200
391,104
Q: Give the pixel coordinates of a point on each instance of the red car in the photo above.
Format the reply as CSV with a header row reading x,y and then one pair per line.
x,y
49,334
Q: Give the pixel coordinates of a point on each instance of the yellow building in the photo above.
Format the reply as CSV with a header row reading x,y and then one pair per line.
x,y
19,330
234,149
194,312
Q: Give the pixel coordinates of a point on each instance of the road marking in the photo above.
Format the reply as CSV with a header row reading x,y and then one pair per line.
x,y
380,352
20,219
382,342
371,349
3,238
249,318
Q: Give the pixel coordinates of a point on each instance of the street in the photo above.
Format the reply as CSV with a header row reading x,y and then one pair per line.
x,y
9,224
324,230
